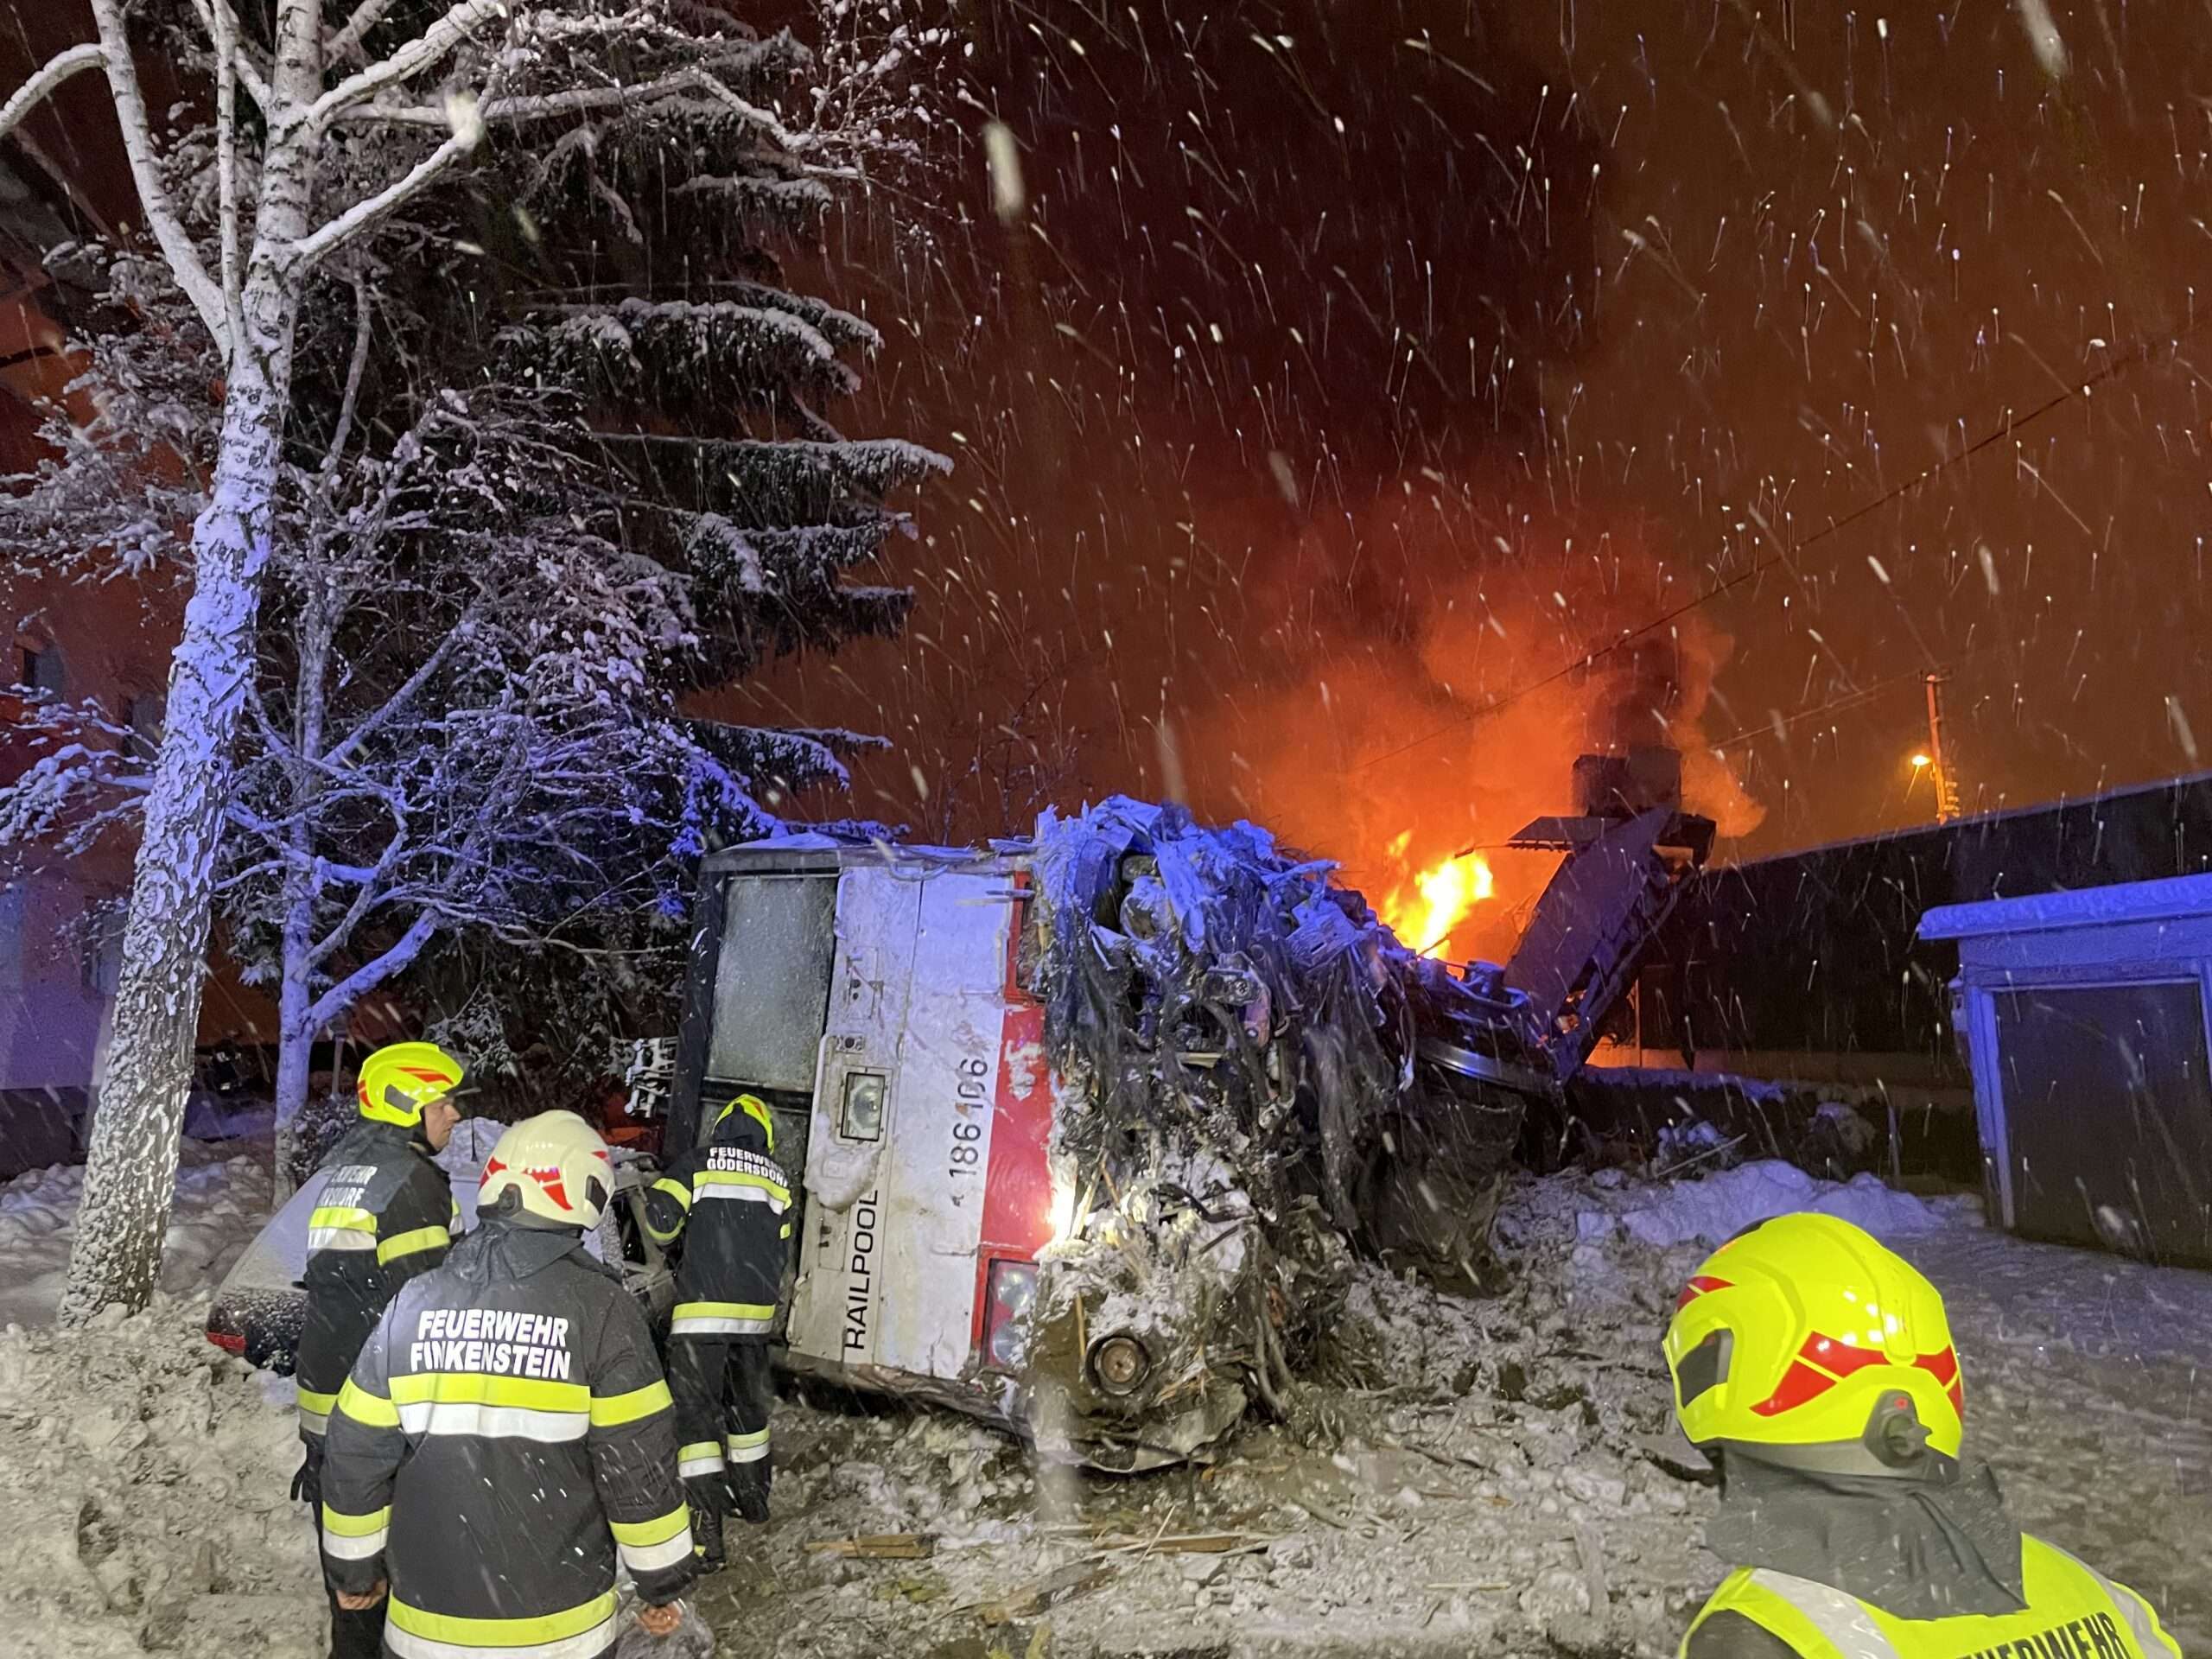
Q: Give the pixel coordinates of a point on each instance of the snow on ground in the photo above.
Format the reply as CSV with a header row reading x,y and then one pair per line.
x,y
222,1198
1716,1208
143,1498
1498,1475
1479,1482
2089,1387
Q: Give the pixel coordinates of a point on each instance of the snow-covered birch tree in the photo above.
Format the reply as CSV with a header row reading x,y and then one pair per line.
x,y
469,724
340,151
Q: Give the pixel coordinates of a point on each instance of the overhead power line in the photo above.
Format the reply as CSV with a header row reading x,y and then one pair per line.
x,y
2139,353
1852,699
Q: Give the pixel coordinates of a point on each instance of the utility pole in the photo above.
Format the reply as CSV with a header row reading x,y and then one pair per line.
x,y
1947,786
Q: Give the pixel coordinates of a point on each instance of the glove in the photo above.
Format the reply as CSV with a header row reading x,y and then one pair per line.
x,y
691,1639
306,1485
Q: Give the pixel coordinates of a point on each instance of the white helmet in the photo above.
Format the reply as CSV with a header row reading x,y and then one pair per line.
x,y
558,1166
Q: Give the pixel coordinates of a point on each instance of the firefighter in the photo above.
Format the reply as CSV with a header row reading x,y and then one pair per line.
x,y
506,1437
730,1201
1817,1370
384,1214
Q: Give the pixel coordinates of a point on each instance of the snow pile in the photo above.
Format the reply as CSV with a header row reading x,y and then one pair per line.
x,y
222,1198
1716,1209
143,1482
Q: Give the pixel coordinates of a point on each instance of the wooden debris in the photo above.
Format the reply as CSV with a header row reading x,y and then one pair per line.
x,y
920,1591
1200,1543
1111,1539
884,1547
1063,1584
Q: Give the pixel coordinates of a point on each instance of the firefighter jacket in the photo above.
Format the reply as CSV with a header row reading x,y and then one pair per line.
x,y
730,1201
506,1438
2072,1612
385,1213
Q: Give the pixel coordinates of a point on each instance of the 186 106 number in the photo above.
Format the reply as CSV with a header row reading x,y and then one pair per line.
x,y
965,1156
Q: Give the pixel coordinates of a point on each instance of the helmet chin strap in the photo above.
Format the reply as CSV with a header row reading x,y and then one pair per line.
x,y
1895,1447
508,1207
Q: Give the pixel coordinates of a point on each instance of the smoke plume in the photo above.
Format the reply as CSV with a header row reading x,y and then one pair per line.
x,y
1423,697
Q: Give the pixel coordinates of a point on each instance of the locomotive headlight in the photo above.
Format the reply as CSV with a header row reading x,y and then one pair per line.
x,y
1119,1364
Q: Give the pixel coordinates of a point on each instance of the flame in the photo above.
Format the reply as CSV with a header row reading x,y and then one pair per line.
x,y
1426,907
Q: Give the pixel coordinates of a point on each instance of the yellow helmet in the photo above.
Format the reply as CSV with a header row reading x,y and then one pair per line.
x,y
1805,1332
755,1108
400,1079
558,1166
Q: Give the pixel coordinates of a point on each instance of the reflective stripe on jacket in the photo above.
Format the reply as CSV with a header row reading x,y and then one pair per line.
x,y
384,1214
2074,1612
505,1440
732,1202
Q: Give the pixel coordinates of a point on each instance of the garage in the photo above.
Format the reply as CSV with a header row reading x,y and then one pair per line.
x,y
2083,1016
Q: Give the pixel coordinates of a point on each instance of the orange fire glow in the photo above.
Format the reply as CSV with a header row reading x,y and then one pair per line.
x,y
1426,906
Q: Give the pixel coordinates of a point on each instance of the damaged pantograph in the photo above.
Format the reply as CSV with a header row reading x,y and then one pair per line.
x,y
1085,1126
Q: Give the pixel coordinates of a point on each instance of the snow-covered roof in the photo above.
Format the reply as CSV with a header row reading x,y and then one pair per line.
x,y
1971,821
2166,900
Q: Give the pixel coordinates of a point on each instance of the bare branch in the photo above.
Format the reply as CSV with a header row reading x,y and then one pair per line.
x,y
354,370
422,53
347,41
353,741
365,979
367,214
35,91
372,894
516,112
129,101
222,23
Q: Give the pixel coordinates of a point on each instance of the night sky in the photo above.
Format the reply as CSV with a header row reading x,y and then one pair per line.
x,y
1354,366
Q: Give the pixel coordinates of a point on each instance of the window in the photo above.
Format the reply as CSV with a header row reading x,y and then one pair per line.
x,y
772,985
41,669
103,946
143,716
11,935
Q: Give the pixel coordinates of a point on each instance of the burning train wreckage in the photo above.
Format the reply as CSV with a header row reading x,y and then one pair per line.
x,y
1087,1127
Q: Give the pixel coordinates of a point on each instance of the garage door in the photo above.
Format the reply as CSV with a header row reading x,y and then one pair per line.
x,y
2109,1117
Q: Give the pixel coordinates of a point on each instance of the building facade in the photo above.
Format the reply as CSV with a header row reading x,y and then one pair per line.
x,y
107,643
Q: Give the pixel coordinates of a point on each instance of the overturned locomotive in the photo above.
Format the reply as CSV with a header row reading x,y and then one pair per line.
x,y
1083,1126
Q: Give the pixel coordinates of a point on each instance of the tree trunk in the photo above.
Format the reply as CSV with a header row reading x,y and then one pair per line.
x,y
295,1026
130,1176
103,1039
295,1055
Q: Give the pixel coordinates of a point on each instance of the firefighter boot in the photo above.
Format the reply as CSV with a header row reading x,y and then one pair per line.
x,y
707,1536
745,1435
748,1489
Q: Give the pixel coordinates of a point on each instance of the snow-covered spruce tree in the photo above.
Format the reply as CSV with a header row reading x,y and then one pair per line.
x,y
334,148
